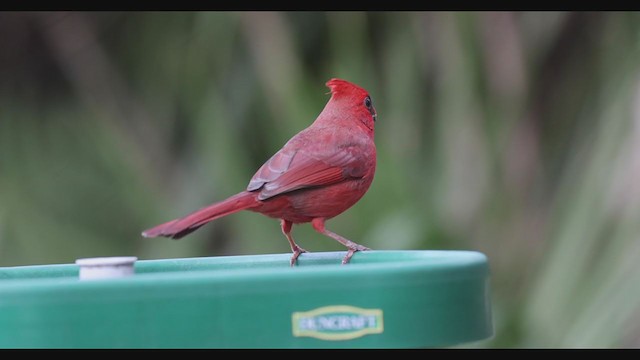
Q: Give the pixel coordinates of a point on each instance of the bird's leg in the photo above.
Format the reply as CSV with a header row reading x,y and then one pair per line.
x,y
318,225
297,250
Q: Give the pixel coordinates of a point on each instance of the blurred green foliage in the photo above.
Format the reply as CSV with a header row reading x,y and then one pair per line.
x,y
514,134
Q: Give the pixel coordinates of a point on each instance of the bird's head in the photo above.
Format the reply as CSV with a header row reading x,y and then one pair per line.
x,y
351,101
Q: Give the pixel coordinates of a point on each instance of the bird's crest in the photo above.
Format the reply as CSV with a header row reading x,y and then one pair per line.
x,y
341,87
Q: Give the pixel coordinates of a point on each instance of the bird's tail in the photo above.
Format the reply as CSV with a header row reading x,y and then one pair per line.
x,y
178,228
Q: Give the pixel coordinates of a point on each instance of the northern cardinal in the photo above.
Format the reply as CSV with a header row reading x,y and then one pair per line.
x,y
318,174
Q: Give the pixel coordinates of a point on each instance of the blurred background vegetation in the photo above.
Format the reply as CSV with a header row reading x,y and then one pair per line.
x,y
513,134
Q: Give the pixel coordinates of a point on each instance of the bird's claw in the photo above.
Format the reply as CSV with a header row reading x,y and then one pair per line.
x,y
352,251
296,252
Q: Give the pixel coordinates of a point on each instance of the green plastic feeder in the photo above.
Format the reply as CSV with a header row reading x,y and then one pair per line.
x,y
382,299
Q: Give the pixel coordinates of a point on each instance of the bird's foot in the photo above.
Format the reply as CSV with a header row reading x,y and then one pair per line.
x,y
296,252
353,251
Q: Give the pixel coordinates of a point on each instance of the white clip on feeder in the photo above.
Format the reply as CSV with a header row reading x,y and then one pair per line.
x,y
106,267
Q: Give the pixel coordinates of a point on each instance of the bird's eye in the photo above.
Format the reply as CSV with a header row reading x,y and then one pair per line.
x,y
367,102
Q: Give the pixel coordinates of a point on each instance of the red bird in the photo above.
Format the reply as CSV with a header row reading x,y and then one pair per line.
x,y
318,174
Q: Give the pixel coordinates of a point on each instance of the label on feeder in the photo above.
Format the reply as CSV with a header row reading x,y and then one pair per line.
x,y
337,322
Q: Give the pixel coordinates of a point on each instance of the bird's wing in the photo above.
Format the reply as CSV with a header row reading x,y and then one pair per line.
x,y
290,170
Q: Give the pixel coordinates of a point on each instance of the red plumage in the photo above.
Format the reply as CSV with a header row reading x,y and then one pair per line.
x,y
318,174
